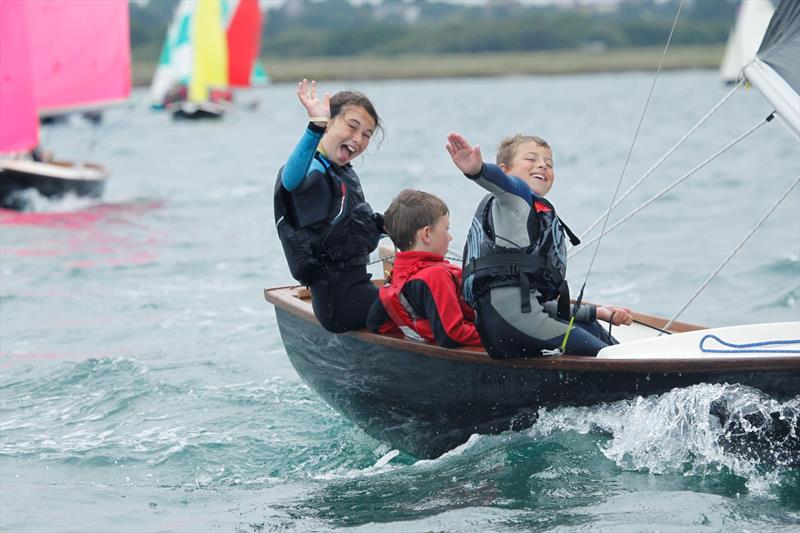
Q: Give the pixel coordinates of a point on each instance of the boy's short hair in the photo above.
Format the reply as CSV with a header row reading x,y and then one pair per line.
x,y
409,212
509,146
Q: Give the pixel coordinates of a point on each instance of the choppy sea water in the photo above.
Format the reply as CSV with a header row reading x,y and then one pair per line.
x,y
144,386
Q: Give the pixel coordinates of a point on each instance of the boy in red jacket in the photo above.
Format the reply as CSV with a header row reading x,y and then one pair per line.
x,y
423,297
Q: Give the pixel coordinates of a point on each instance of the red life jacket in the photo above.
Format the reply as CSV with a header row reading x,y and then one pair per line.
x,y
413,265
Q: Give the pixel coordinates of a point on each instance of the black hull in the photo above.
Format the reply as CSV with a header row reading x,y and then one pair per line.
x,y
427,404
12,182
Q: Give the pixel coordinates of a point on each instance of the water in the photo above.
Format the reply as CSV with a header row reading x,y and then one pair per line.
x,y
144,386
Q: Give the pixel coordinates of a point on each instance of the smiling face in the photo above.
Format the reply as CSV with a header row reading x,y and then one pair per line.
x,y
533,164
348,134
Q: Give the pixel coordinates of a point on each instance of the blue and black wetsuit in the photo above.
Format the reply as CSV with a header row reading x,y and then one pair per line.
x,y
327,230
516,314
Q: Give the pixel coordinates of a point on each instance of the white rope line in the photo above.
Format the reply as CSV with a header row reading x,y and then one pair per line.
x,y
661,160
735,250
576,251
633,143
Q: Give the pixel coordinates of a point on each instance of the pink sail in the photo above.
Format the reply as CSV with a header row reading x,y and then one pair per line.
x,y
18,121
80,53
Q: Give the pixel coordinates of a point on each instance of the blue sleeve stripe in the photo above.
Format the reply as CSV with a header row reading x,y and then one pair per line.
x,y
299,162
510,184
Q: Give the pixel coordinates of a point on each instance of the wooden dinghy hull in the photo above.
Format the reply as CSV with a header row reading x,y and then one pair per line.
x,y
426,400
52,180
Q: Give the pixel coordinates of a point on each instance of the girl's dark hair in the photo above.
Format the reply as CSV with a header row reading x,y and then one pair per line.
x,y
343,99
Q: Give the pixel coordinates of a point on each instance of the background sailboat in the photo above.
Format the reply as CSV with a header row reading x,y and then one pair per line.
x,y
57,57
751,22
210,48
243,22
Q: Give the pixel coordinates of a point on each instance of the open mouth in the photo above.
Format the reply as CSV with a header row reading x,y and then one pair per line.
x,y
346,151
538,177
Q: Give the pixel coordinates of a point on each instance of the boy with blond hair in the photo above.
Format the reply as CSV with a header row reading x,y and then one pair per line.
x,y
423,298
515,259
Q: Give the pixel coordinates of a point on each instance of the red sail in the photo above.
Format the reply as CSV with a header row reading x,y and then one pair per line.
x,y
244,42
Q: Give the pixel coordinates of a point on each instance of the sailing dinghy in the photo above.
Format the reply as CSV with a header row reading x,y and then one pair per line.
x,y
210,47
56,58
425,399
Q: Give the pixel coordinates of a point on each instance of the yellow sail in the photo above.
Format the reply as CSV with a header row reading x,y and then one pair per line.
x,y
210,50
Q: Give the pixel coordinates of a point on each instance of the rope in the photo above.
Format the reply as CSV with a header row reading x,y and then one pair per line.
x,y
664,191
742,348
661,160
725,262
621,176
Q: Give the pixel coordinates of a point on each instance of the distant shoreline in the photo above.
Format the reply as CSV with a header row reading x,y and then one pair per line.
x,y
556,62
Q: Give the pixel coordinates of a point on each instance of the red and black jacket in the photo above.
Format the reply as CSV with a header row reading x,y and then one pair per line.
x,y
424,294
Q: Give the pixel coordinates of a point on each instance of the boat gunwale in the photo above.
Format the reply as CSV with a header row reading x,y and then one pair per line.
x,y
291,298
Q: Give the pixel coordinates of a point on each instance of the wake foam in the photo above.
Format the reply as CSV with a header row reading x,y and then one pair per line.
x,y
696,431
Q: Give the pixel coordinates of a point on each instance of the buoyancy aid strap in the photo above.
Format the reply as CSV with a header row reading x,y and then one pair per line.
x,y
524,293
562,310
510,263
573,239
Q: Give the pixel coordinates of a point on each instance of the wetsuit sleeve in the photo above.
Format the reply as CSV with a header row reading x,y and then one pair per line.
x,y
299,163
436,299
586,312
378,320
493,179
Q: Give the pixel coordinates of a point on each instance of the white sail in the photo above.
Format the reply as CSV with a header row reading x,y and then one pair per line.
x,y
751,23
775,71
175,63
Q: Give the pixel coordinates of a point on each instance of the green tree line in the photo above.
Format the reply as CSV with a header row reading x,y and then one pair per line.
x,y
306,28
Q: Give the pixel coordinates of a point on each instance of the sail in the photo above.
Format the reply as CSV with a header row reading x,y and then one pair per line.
x,y
775,71
210,50
80,53
244,40
748,30
19,129
175,63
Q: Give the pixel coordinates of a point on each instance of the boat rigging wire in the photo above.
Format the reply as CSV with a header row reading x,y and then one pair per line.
x,y
735,250
669,187
621,176
661,160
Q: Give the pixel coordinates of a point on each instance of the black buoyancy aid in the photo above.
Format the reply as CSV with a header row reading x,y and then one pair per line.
x,y
541,265
343,240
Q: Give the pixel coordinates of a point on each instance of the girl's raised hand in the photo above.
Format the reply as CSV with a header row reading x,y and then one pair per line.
x,y
467,158
318,110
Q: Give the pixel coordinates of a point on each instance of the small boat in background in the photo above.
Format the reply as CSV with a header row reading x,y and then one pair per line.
x,y
56,58
210,48
748,29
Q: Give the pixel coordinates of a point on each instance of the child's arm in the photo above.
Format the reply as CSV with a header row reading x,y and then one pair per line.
x,y
586,312
319,111
437,297
299,164
468,159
